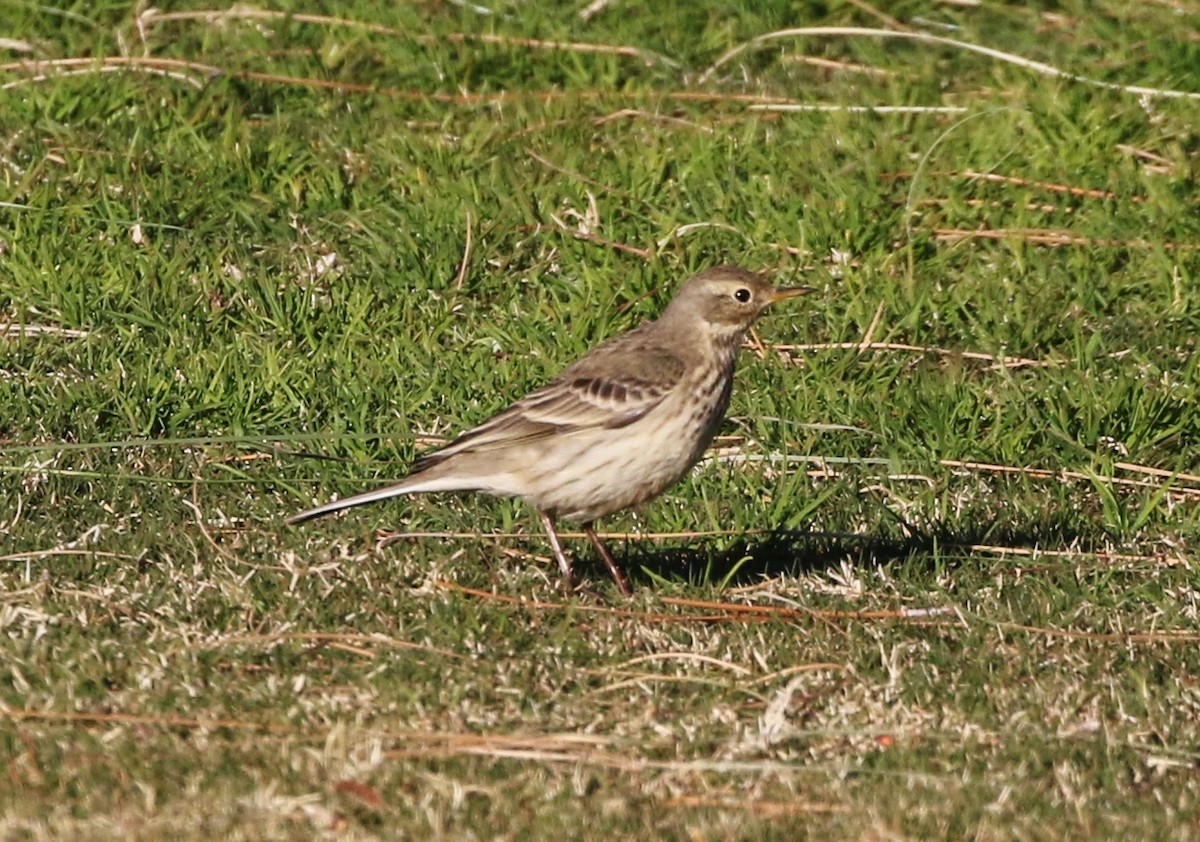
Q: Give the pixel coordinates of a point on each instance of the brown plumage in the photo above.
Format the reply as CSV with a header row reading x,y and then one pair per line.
x,y
616,428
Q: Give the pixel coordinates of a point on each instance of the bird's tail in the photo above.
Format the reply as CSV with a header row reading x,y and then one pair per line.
x,y
416,484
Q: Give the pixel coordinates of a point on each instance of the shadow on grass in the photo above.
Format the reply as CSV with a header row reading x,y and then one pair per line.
x,y
796,552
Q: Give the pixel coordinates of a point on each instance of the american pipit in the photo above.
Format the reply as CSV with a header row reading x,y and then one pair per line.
x,y
615,429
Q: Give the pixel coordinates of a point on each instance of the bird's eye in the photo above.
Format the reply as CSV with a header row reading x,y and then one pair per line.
x,y
742,295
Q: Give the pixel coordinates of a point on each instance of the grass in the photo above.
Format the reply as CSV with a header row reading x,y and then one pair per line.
x,y
938,579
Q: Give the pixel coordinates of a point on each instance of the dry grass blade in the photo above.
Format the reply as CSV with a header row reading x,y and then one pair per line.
x,y
692,657
64,551
717,612
153,17
1017,181
1064,474
1157,472
768,809
577,607
1035,553
329,638
802,107
1152,638
465,264
842,66
163,721
194,74
1000,55
548,748
880,15
773,611
391,537
863,346
577,749
869,336
28,331
1067,189
644,680
1052,238
796,669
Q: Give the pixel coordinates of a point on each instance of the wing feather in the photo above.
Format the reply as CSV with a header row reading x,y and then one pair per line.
x,y
612,387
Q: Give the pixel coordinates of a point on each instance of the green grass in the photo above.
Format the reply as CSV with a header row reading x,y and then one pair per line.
x,y
973,546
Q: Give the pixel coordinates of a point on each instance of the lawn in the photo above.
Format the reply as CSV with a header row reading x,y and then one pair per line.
x,y
939,576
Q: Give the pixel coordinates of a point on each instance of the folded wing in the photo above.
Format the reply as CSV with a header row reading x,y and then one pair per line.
x,y
611,387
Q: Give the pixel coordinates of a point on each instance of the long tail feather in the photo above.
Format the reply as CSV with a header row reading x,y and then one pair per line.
x,y
413,485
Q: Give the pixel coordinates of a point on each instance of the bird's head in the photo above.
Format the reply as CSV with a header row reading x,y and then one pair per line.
x,y
726,299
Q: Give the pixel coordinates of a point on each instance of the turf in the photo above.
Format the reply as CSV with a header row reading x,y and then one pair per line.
x,y
938,579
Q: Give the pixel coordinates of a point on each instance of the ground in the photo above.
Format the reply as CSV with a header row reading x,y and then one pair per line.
x,y
938,578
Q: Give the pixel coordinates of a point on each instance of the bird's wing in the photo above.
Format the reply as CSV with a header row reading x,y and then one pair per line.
x,y
611,387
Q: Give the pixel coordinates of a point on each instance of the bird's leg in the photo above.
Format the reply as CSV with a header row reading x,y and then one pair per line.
x,y
563,564
618,576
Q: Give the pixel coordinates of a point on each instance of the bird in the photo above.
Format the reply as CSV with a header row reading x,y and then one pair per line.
x,y
616,428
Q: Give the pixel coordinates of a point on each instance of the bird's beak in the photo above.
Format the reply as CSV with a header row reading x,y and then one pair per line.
x,y
784,293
